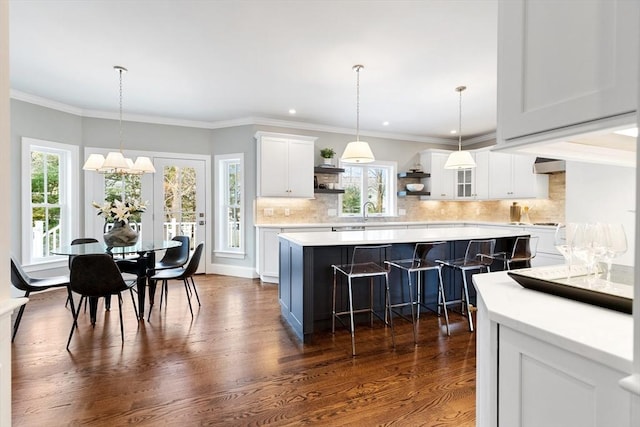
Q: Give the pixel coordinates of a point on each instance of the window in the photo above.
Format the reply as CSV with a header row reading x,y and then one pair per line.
x,y
230,205
49,203
371,183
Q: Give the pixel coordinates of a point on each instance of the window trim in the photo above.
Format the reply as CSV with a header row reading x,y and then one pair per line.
x,y
69,186
392,194
220,248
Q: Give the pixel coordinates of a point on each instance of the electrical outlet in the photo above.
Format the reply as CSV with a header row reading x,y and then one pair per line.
x,y
402,212
287,212
268,211
332,212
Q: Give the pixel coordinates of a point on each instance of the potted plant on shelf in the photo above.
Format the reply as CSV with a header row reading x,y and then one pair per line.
x,y
327,154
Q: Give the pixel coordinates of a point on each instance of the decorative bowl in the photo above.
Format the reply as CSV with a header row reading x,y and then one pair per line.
x,y
415,187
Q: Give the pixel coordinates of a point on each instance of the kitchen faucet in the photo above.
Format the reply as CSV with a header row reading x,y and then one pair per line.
x,y
364,209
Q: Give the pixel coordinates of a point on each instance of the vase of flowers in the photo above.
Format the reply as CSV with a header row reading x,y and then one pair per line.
x,y
118,225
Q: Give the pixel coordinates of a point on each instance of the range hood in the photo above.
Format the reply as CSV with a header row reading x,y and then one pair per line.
x,y
545,165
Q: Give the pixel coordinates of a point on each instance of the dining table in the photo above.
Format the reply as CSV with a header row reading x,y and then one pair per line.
x,y
138,259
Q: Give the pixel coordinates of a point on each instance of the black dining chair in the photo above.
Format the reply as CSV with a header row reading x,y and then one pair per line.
x,y
184,274
79,241
94,276
21,280
175,257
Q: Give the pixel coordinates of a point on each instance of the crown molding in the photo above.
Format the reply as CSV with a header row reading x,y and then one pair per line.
x,y
251,121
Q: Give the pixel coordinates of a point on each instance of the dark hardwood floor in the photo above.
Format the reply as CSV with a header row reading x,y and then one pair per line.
x,y
235,363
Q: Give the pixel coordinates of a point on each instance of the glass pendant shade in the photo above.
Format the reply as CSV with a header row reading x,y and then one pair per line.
x,y
357,152
460,160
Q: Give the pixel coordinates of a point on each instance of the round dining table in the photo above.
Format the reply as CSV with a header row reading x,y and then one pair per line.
x,y
141,265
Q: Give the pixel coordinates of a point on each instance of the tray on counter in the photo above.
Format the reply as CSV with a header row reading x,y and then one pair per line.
x,y
613,295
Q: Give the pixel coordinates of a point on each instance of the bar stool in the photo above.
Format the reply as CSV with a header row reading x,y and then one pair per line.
x,y
524,250
419,263
365,262
478,257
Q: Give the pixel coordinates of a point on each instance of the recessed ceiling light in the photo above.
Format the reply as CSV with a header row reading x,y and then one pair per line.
x,y
292,111
385,123
453,132
628,132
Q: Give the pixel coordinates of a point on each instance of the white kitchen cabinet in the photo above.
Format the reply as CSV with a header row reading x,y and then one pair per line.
x,y
473,184
547,252
511,176
565,67
441,183
285,165
577,391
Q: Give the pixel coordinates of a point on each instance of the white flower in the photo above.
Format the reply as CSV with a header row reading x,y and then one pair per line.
x,y
119,210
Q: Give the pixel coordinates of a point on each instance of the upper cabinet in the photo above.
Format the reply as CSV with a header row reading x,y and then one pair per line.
x,y
473,184
285,165
565,68
441,181
511,176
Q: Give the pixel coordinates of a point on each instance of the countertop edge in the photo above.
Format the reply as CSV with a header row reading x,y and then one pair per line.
x,y
596,333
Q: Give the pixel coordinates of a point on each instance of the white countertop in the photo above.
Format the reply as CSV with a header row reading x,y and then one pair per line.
x,y
375,237
375,223
597,333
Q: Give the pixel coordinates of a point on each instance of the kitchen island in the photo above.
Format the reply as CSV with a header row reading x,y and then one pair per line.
x,y
544,360
306,277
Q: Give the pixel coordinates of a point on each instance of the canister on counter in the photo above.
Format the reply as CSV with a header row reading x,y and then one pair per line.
x,y
514,212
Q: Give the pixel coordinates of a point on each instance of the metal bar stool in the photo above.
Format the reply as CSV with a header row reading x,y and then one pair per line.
x,y
365,262
477,257
524,250
423,260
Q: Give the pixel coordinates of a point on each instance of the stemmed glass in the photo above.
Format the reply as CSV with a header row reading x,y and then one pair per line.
x,y
616,245
562,242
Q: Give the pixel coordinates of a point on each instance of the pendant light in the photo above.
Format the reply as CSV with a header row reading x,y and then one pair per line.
x,y
460,159
357,151
115,162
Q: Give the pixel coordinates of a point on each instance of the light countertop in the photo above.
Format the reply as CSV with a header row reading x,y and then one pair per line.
x,y
382,224
597,333
375,237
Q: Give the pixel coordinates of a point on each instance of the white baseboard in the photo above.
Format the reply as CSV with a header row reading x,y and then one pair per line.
x,y
232,270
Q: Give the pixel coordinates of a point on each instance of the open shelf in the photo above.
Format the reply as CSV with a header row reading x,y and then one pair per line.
x,y
320,169
414,175
328,191
405,193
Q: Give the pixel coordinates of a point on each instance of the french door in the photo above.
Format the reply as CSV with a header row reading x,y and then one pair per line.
x,y
179,196
176,198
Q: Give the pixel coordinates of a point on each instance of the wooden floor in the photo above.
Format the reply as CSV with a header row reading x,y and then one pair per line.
x,y
236,363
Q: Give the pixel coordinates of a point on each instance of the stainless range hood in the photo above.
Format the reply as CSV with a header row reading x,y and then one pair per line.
x,y
545,165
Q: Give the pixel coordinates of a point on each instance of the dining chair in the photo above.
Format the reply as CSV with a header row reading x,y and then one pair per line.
x,y
524,250
477,257
423,260
79,241
94,276
185,274
175,257
22,281
366,262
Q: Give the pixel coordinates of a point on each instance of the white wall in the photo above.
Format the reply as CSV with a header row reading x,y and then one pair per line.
x,y
600,193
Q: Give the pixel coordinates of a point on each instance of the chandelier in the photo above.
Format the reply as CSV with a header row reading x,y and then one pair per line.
x,y
115,162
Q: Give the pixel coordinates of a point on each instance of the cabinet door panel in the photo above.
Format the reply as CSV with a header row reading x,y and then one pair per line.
x,y
499,175
564,63
543,385
301,169
274,167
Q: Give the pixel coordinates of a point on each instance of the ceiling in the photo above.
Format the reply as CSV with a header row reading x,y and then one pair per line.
x,y
215,63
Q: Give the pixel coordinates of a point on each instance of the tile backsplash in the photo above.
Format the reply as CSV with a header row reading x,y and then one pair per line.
x,y
324,208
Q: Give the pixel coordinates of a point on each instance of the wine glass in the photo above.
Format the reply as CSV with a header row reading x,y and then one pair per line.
x,y
562,242
581,245
616,245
